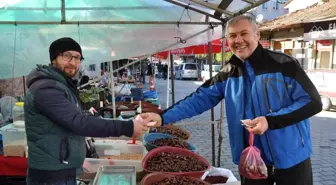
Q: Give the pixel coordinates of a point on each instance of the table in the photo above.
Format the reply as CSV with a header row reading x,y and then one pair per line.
x,y
13,170
13,166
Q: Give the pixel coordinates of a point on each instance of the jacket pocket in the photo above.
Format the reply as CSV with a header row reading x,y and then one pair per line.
x,y
77,152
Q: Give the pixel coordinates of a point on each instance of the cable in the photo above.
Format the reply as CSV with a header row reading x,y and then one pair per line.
x,y
179,37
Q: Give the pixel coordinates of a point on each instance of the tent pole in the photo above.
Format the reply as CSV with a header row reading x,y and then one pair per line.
x,y
212,109
220,121
63,11
106,22
212,7
163,49
167,105
113,91
172,78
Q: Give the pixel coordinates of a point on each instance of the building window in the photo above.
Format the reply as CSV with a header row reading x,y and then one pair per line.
x,y
92,67
275,5
264,6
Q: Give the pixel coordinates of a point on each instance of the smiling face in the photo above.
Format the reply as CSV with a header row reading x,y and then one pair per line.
x,y
243,38
68,62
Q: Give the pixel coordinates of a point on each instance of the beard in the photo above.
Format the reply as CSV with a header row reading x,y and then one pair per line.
x,y
68,70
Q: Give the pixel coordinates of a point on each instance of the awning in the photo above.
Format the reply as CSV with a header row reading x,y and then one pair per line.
x,y
196,49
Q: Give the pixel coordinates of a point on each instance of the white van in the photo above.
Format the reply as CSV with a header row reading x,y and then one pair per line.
x,y
205,74
187,70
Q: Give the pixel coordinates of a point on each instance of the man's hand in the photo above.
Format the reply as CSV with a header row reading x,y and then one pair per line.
x,y
139,127
261,125
152,117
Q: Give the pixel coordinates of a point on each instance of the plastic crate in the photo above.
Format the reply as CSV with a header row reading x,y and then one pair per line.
x,y
13,135
108,175
104,147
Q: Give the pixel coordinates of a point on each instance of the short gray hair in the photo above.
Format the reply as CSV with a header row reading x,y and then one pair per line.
x,y
236,19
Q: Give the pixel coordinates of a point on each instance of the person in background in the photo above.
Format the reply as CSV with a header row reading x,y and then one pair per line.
x,y
144,67
272,93
150,68
84,80
55,125
159,67
165,71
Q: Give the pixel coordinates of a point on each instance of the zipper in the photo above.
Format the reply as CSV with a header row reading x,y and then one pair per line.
x,y
302,139
281,105
266,136
269,147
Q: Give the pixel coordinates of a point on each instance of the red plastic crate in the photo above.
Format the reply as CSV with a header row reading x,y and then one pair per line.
x,y
159,176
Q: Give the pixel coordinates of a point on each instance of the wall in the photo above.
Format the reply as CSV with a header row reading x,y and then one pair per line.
x,y
288,34
268,11
12,87
300,4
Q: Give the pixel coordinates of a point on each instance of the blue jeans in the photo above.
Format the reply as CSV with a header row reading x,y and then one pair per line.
x,y
70,181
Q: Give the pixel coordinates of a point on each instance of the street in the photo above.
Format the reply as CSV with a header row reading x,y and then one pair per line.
x,y
323,126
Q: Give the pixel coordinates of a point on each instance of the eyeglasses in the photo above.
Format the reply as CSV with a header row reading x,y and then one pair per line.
x,y
68,57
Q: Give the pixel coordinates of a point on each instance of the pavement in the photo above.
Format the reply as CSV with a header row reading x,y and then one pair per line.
x,y
323,127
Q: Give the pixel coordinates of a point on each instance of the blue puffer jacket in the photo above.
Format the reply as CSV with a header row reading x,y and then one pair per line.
x,y
267,84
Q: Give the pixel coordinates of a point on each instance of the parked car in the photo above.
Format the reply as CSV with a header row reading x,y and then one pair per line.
x,y
187,70
325,85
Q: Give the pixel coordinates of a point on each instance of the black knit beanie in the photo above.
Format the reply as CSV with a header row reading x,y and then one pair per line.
x,y
62,45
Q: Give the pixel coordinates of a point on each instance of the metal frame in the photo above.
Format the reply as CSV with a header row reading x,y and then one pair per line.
x,y
193,9
63,11
84,8
212,7
249,1
105,22
64,21
207,5
244,10
223,5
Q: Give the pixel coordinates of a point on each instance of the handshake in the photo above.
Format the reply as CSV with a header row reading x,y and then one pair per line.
x,y
144,121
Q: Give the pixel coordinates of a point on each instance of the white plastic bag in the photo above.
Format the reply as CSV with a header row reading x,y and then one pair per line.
x,y
220,172
6,106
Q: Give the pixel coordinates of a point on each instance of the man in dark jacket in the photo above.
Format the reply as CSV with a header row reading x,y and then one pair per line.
x,y
143,71
55,125
269,89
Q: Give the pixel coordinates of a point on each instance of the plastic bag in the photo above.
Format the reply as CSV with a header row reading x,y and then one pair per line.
x,y
251,165
6,106
220,172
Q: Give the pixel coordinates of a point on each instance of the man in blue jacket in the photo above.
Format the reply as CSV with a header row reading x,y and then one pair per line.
x,y
55,125
268,88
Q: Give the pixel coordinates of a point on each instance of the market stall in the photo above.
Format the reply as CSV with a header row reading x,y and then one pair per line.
x,y
162,151
78,19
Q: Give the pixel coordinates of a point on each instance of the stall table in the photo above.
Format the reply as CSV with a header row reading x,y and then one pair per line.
x,y
13,170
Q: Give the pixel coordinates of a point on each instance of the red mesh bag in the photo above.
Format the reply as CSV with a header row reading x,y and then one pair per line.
x,y
251,165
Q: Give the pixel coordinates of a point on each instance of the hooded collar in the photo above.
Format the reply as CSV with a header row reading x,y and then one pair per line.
x,y
50,72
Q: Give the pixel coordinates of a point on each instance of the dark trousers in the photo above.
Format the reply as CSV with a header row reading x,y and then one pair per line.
x,y
300,174
70,181
143,78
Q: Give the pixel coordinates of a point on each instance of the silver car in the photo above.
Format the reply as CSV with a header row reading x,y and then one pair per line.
x,y
187,70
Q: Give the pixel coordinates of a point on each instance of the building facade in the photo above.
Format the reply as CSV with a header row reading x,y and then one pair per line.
x,y
270,10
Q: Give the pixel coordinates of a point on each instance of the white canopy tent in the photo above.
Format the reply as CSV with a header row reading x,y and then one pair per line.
x,y
106,30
